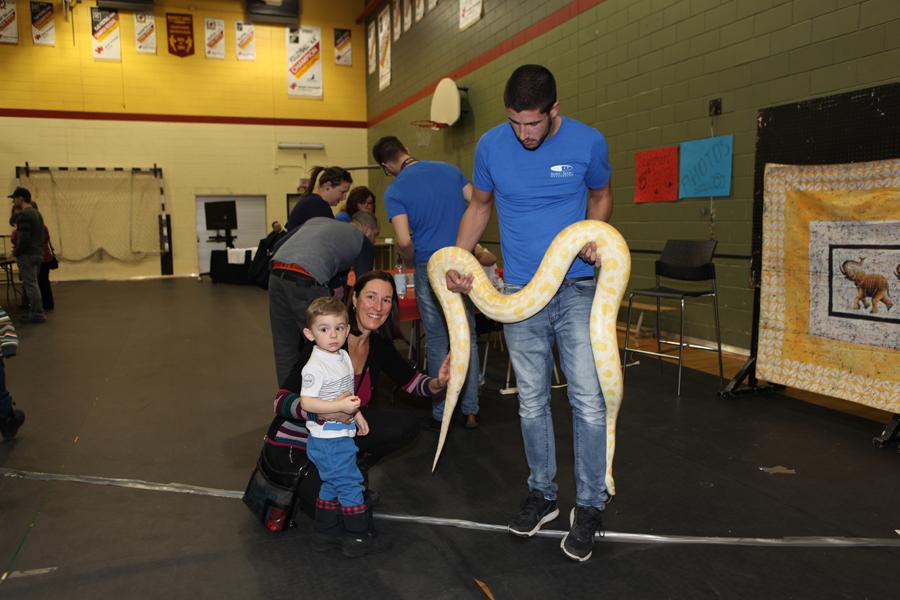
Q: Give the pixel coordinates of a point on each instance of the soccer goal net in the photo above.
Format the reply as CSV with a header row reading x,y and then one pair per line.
x,y
101,213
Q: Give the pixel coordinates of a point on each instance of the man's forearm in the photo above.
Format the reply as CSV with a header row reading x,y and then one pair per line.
x,y
408,253
473,224
600,204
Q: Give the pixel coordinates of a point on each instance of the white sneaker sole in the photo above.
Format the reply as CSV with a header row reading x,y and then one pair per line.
x,y
547,518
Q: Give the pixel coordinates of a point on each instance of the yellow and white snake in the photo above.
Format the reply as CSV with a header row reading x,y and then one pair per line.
x,y
616,267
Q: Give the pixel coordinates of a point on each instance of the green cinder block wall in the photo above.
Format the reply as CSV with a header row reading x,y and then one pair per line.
x,y
643,72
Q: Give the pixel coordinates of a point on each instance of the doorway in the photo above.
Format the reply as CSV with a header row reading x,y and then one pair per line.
x,y
251,226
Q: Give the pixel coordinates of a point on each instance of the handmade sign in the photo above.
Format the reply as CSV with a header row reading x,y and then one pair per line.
x,y
705,167
656,175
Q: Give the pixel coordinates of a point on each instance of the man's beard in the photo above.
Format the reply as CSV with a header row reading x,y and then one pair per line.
x,y
540,141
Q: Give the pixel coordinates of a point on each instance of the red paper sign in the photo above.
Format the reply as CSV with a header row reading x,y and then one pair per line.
x,y
656,175
180,31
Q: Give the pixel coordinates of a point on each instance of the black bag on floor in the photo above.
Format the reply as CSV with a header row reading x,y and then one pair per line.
x,y
274,503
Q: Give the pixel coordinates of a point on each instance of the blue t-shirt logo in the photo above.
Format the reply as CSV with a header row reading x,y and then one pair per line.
x,y
562,171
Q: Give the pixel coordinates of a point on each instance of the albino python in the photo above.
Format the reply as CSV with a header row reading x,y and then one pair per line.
x,y
616,267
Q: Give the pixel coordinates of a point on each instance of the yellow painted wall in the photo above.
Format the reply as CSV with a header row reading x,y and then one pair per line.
x,y
197,159
66,77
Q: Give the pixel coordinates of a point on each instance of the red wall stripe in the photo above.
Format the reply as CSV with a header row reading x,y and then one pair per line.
x,y
570,11
107,116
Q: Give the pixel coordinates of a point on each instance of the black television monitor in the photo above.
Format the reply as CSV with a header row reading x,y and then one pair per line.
x,y
221,215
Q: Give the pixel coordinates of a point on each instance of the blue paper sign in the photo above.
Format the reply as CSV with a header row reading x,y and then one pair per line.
x,y
705,167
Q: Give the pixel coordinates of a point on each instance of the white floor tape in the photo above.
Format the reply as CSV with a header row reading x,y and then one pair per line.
x,y
608,536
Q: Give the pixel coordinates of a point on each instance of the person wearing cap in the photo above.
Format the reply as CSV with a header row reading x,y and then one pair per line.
x,y
29,252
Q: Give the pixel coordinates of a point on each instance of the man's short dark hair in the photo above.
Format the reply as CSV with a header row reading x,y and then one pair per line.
x,y
387,149
530,87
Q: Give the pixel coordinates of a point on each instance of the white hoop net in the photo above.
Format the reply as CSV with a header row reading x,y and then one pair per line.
x,y
99,213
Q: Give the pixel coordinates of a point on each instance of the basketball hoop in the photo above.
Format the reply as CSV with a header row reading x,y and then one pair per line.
x,y
429,124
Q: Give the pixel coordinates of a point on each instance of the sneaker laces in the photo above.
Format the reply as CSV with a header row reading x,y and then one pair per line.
x,y
588,520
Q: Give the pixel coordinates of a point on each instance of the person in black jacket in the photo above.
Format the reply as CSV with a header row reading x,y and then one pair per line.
x,y
29,251
373,303
320,196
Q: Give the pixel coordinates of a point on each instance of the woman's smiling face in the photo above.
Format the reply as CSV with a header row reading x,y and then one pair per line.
x,y
373,304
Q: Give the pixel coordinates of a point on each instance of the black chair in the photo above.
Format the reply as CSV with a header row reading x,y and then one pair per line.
x,y
682,260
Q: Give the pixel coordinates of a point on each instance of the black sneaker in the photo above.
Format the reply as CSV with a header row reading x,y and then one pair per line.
x,y
536,510
585,521
10,425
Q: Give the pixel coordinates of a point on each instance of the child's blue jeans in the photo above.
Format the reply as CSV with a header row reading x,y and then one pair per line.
x,y
335,458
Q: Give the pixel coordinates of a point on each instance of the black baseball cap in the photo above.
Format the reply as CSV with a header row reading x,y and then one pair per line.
x,y
21,192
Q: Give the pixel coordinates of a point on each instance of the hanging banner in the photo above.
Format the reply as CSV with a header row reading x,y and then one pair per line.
x,y
656,175
384,48
420,10
180,32
830,263
215,37
407,15
705,167
9,26
432,4
342,47
245,40
304,62
43,24
372,39
469,13
145,33
106,43
398,20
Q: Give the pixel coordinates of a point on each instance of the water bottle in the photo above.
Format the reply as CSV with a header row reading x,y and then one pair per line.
x,y
400,278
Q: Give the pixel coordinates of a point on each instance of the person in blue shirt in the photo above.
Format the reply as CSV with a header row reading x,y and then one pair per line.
x,y
425,204
544,172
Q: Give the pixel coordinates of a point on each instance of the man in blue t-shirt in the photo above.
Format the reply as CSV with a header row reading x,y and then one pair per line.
x,y
425,204
546,172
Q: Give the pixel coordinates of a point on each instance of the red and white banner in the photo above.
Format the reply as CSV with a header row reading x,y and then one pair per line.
x,y
145,33
215,37
420,10
407,15
43,24
384,48
106,43
245,40
398,19
304,62
342,47
9,25
469,13
372,39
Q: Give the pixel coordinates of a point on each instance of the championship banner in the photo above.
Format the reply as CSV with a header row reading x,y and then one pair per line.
x,y
145,33
469,13
304,62
245,37
342,47
372,39
384,48
398,19
9,25
43,24
407,15
830,271
180,32
420,10
656,175
106,43
215,37
432,4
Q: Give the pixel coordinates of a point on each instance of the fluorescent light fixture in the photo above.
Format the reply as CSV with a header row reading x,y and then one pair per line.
x,y
300,146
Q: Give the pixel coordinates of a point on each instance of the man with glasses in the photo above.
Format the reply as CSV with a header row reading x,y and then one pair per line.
x,y
425,203
546,172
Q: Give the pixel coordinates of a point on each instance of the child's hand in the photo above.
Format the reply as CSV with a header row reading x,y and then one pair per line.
x,y
347,404
362,426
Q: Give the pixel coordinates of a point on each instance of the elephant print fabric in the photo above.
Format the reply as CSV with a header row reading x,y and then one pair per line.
x,y
829,317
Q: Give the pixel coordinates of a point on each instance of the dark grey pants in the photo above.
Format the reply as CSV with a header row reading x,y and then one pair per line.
x,y
288,301
29,267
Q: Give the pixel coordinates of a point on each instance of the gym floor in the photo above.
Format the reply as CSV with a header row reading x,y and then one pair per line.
x,y
172,382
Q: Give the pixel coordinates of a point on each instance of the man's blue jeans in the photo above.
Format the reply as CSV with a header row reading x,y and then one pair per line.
x,y
438,343
566,318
